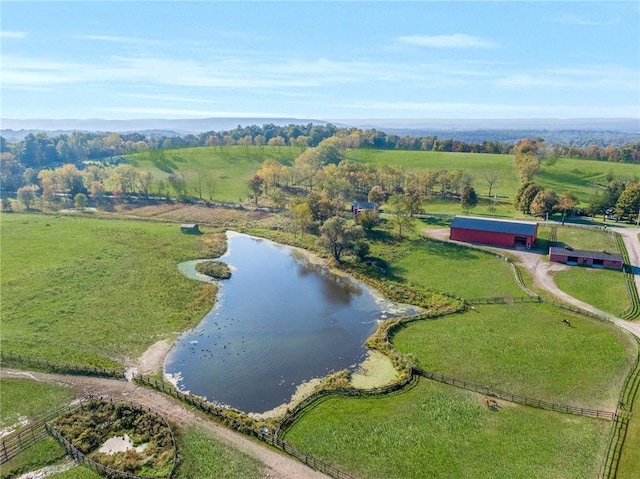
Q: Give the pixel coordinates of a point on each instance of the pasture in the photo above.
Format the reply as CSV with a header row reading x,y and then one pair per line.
x,y
565,175
96,292
439,431
605,289
526,349
422,261
27,399
221,173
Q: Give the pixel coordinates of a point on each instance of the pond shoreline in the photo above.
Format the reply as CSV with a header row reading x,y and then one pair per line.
x,y
374,371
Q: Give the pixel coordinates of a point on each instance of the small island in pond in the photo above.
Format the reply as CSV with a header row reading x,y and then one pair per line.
x,y
214,269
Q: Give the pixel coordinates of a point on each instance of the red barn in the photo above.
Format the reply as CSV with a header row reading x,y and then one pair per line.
x,y
585,258
508,233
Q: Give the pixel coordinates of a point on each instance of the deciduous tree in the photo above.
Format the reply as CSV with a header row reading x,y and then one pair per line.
x,y
468,199
544,203
338,236
256,185
26,195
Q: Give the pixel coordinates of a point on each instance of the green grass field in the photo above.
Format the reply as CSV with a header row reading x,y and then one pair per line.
x,y
228,168
526,349
602,288
565,175
423,261
205,456
93,291
24,398
439,431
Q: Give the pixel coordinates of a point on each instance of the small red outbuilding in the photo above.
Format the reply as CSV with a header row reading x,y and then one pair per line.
x,y
586,258
508,233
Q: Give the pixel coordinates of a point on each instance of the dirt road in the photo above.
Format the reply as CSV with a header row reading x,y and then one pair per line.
x,y
542,271
277,465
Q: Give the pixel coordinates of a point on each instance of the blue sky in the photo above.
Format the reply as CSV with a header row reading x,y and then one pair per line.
x,y
320,60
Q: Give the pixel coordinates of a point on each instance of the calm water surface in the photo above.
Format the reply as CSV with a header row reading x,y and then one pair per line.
x,y
278,322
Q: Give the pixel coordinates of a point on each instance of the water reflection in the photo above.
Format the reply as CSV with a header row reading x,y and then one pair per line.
x,y
279,321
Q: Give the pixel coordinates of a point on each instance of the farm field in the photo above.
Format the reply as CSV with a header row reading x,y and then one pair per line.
x,y
489,277
518,347
222,173
435,430
605,289
525,349
205,456
565,175
24,398
93,291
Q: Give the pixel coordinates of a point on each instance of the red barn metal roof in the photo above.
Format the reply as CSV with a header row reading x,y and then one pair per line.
x,y
524,228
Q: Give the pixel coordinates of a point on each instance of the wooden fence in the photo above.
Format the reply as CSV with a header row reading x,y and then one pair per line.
x,y
246,425
516,398
79,457
25,362
12,444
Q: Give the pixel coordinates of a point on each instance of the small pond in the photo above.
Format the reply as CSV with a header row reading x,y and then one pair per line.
x,y
279,321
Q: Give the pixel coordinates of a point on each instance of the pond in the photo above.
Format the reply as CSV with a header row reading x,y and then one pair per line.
x,y
279,321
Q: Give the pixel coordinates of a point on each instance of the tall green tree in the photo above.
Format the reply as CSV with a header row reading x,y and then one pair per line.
x,y
468,199
629,202
400,208
27,196
256,185
525,195
338,236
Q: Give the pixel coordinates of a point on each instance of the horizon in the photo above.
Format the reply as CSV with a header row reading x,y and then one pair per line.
x,y
418,61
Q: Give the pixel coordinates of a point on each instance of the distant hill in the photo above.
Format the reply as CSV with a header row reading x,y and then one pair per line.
x,y
15,130
578,130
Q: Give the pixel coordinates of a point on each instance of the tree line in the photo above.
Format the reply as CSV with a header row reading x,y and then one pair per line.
x,y
39,150
619,199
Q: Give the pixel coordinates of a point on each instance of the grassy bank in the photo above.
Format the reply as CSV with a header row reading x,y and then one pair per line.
x,y
93,291
527,350
439,431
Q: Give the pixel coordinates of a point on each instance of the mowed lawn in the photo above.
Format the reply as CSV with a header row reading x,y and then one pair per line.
x,y
438,431
525,349
223,170
94,291
450,268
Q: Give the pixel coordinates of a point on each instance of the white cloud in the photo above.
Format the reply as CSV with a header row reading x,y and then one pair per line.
x,y
457,40
573,19
153,112
167,98
599,76
12,35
